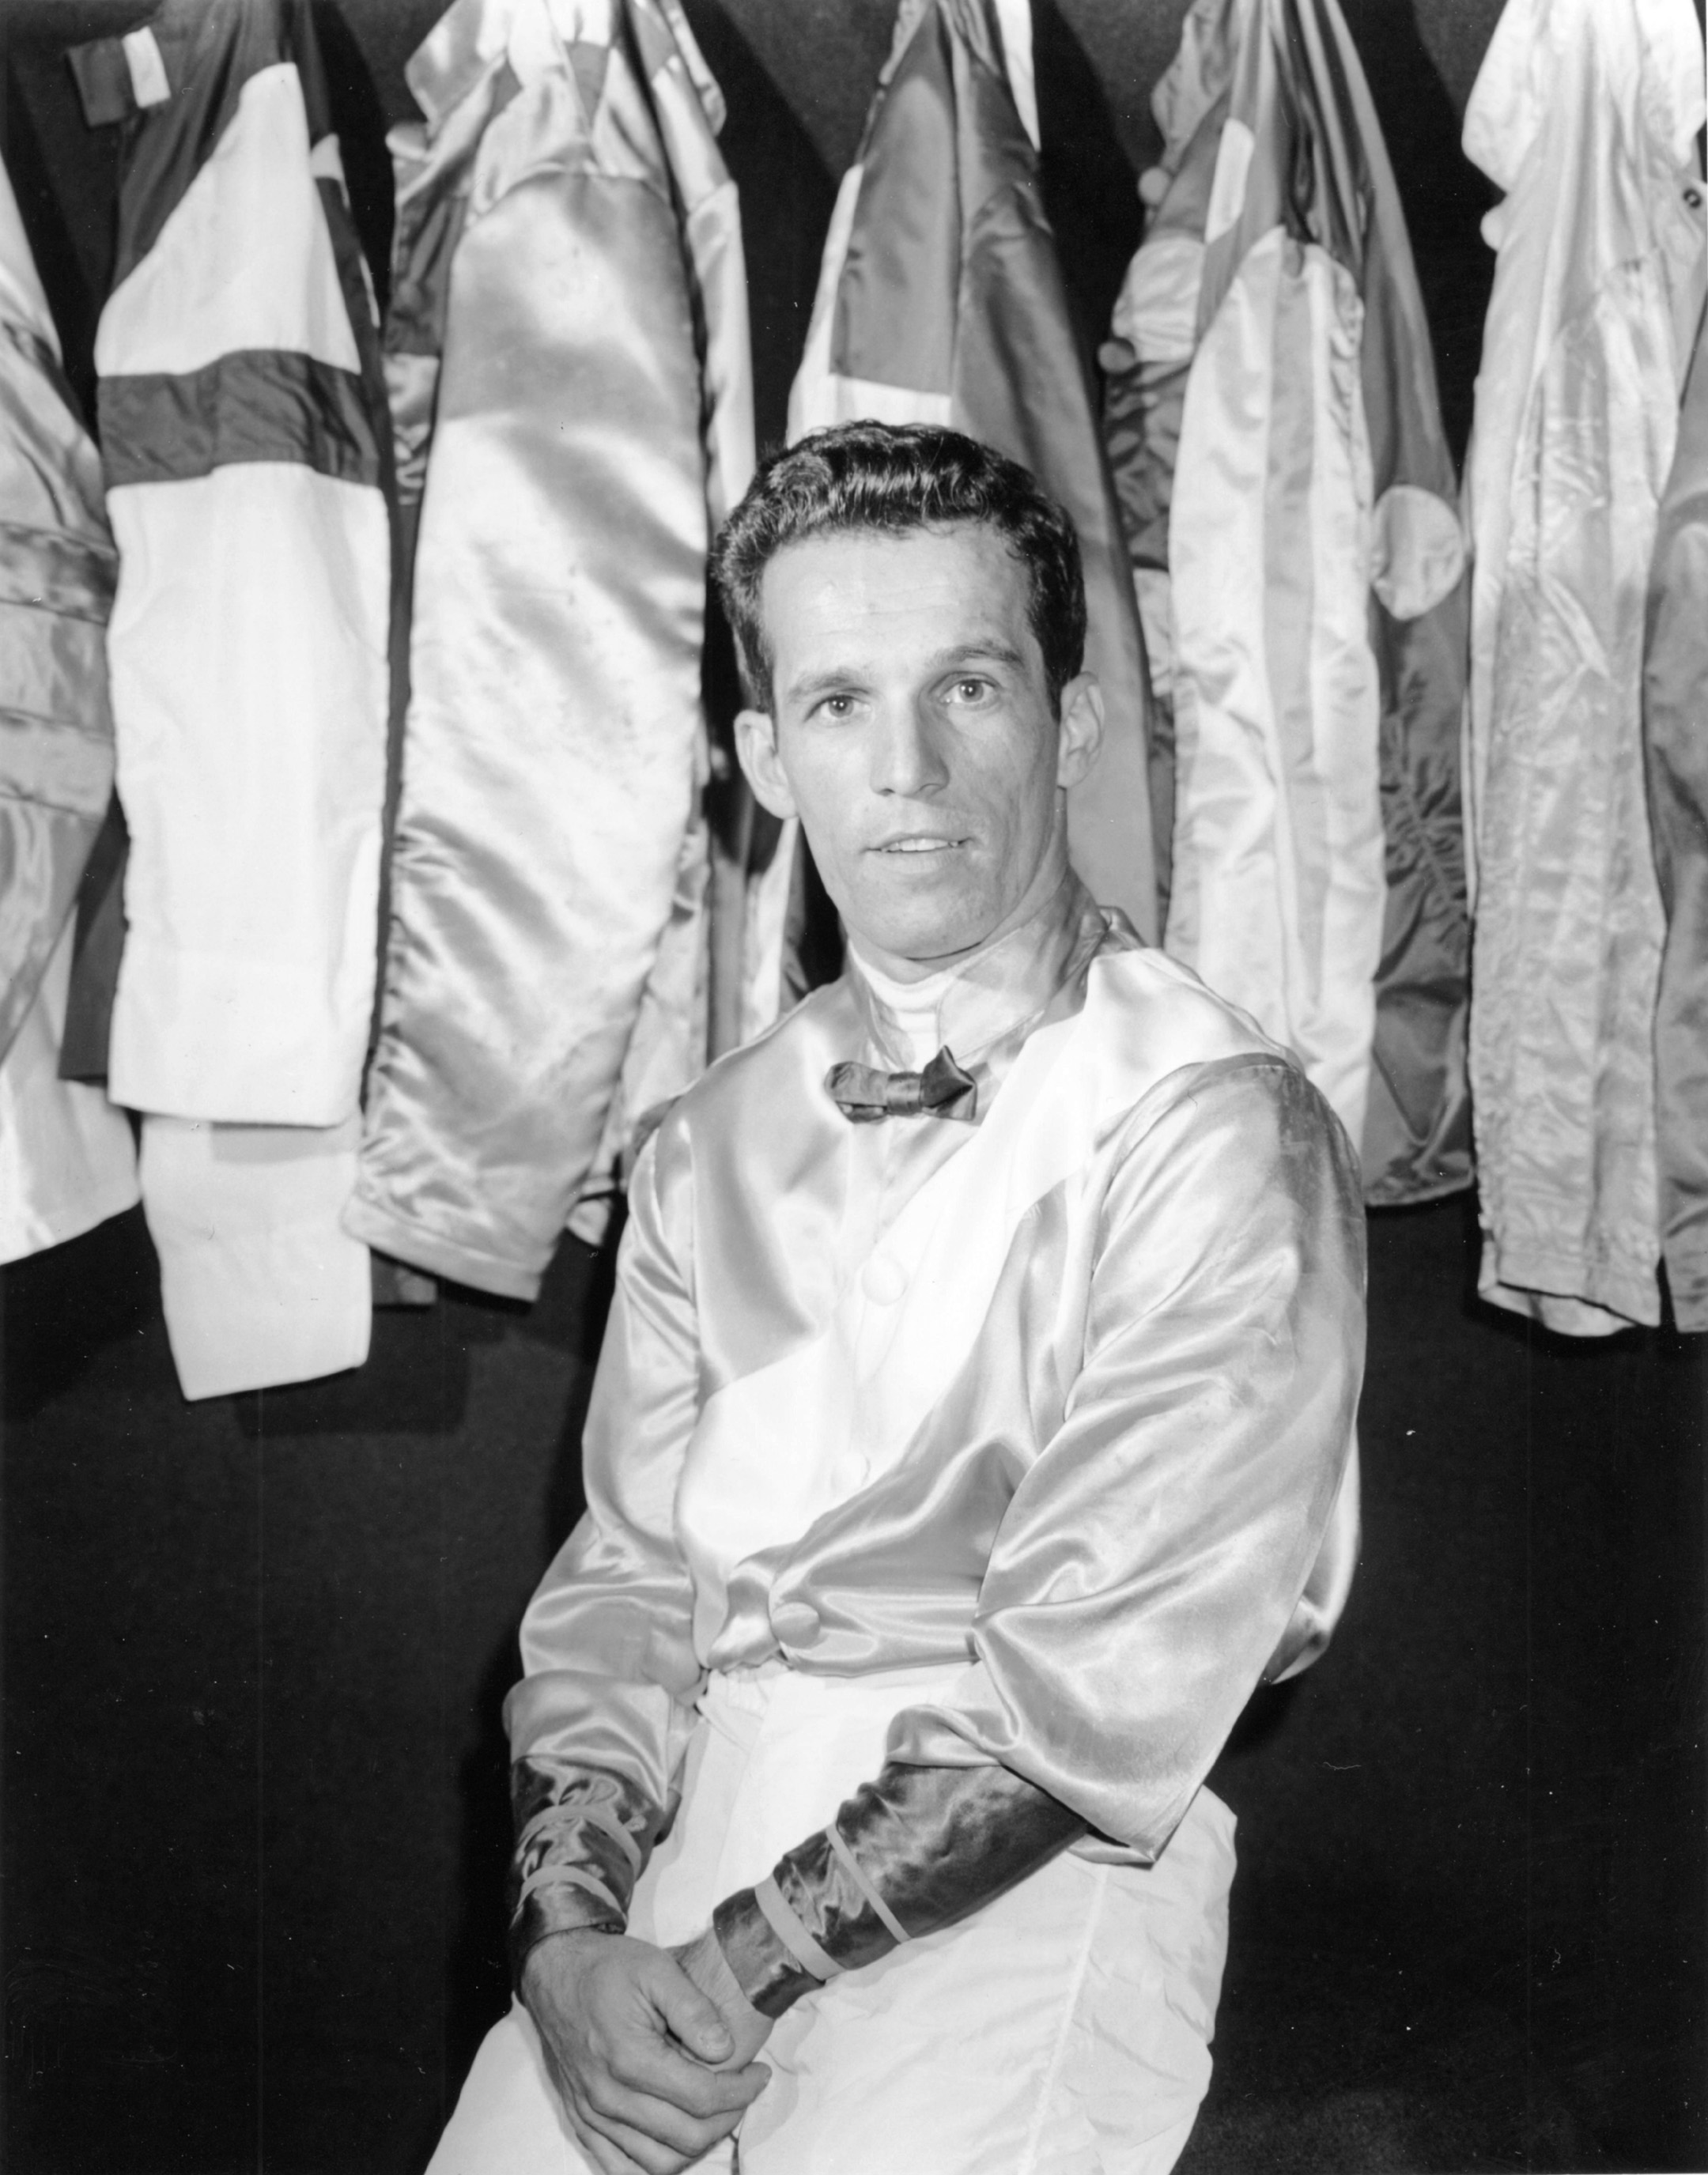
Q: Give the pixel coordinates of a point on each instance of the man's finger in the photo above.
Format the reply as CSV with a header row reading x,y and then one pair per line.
x,y
662,2070
618,2110
691,2017
608,2158
651,2154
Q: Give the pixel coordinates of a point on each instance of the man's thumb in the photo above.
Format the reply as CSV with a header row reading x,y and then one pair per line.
x,y
693,2019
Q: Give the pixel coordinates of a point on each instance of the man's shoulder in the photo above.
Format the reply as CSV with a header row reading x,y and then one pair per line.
x,y
1169,1052
1151,1017
748,1090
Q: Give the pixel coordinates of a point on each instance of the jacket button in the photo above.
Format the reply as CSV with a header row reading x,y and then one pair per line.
x,y
883,1280
795,1622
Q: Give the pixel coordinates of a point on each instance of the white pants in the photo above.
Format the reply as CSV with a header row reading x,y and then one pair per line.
x,y
1063,2029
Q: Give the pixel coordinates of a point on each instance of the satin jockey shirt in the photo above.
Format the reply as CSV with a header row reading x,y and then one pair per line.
x,y
1059,1385
941,299
1585,114
1290,504
568,361
67,1160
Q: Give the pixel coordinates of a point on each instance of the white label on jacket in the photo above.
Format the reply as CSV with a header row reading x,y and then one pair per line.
x,y
1227,190
149,83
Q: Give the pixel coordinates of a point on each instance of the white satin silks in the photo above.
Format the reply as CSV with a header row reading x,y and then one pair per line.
x,y
1584,113
1066,1394
568,354
1025,1441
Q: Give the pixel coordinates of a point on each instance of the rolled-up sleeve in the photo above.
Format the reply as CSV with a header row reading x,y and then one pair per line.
x,y
599,1723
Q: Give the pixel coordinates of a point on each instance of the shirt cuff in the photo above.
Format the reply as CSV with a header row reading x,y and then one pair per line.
x,y
581,1838
915,1849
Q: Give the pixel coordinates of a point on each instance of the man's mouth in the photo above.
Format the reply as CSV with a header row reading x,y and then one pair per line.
x,y
923,842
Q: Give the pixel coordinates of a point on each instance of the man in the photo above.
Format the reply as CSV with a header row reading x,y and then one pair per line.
x,y
973,1431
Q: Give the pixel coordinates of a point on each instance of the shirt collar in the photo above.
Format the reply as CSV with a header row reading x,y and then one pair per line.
x,y
994,997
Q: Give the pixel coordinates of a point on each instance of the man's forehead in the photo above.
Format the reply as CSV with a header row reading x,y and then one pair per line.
x,y
961,583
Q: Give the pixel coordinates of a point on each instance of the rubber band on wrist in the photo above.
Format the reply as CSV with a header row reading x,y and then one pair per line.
x,y
782,1922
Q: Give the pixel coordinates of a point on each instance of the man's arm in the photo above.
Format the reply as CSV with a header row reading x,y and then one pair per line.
x,y
599,1722
598,1727
1152,1562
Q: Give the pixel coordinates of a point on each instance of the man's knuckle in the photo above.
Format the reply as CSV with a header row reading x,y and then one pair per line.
x,y
602,2095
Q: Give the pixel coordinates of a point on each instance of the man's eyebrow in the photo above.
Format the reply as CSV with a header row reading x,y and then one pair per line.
x,y
970,653
834,679
844,678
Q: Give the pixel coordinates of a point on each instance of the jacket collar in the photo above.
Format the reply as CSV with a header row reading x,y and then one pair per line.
x,y
995,996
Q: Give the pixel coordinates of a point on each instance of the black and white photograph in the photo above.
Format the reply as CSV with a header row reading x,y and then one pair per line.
x,y
853,1087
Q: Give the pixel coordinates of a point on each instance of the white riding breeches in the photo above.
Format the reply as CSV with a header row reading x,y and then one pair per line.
x,y
1062,2029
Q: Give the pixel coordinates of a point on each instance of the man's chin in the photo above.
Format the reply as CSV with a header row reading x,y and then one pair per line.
x,y
924,941
922,913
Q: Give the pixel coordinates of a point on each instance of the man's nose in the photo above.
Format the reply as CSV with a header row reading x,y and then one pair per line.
x,y
906,759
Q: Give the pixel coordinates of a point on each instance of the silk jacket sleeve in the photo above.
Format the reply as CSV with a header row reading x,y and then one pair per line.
x,y
599,1722
1148,1568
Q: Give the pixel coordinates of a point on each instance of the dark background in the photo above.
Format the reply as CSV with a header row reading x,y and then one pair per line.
x,y
254,1794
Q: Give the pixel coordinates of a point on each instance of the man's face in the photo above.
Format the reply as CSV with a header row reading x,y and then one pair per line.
x,y
912,734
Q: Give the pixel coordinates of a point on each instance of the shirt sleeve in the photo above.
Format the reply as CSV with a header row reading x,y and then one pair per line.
x,y
1153,1557
600,1721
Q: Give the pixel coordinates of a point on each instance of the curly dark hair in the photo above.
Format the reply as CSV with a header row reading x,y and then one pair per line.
x,y
899,478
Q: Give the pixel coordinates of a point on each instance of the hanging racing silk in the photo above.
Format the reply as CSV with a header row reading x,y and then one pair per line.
x,y
248,638
1585,114
940,301
568,359
241,412
66,1160
1675,732
1276,441
56,572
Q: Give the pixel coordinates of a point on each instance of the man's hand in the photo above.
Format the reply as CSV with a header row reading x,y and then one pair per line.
x,y
704,1961
630,2041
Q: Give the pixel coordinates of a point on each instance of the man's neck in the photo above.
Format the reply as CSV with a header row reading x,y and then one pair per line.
x,y
970,1001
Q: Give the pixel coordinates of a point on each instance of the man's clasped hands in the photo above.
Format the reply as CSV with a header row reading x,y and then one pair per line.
x,y
651,2049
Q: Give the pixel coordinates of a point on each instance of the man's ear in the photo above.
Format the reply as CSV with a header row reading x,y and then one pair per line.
x,y
756,744
1081,728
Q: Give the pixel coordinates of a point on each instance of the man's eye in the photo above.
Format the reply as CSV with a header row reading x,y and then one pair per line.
x,y
837,707
970,690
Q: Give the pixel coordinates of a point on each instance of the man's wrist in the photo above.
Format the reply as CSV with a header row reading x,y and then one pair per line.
x,y
770,1978
565,1940
549,1913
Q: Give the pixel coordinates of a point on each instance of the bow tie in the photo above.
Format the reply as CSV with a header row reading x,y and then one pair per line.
x,y
864,1094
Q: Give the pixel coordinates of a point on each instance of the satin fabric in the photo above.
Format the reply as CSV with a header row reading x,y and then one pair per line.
x,y
249,652
941,299
918,1849
1273,403
248,637
1584,115
56,574
1675,733
564,220
1278,892
1064,1395
1063,2031
67,1160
